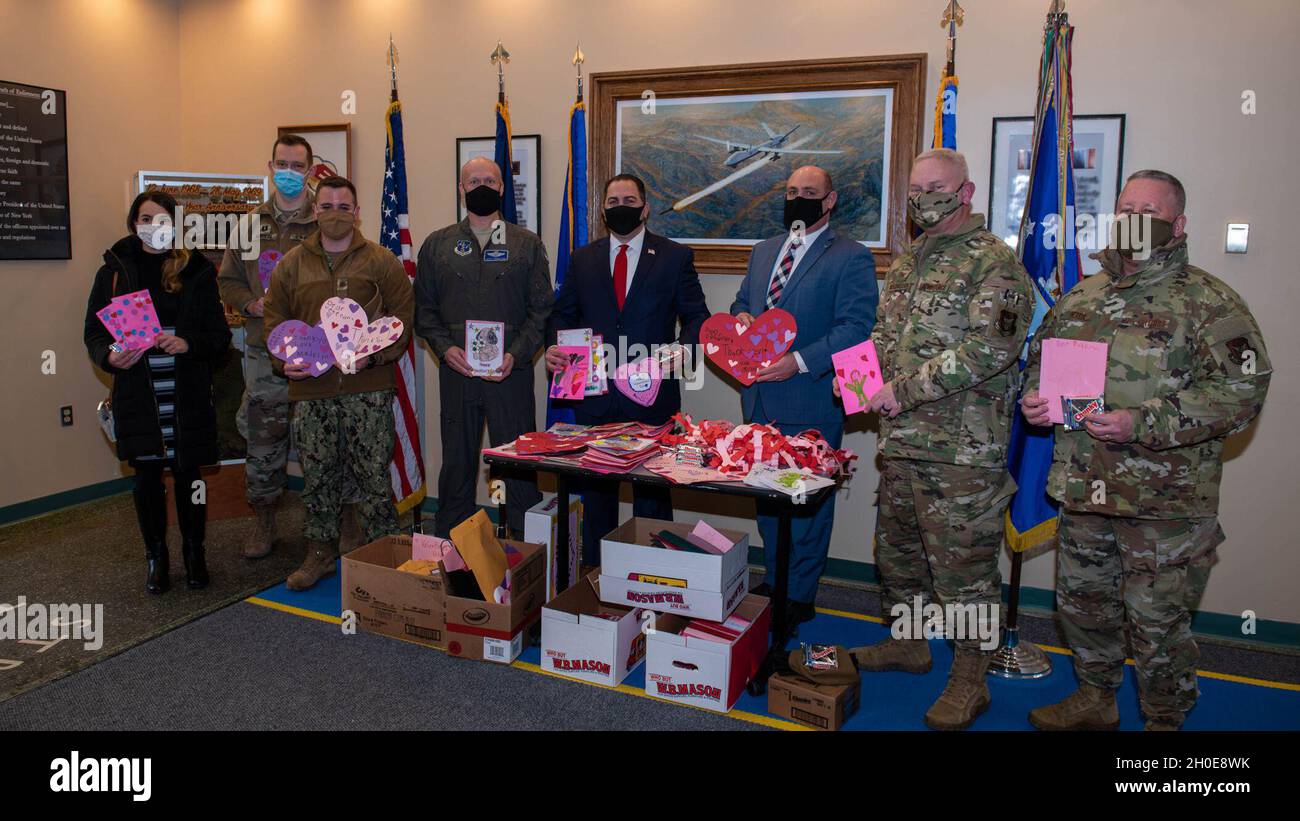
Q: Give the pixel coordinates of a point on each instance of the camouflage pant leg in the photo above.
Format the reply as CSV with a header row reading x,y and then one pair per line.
x,y
1166,566
367,431
960,512
1089,580
900,555
342,436
265,412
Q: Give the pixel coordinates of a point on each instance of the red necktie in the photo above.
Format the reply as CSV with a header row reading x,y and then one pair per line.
x,y
620,276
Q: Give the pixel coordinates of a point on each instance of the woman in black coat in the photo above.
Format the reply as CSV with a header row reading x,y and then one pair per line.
x,y
163,411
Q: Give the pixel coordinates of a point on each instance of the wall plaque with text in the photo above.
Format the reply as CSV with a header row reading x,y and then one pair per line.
x,y
34,218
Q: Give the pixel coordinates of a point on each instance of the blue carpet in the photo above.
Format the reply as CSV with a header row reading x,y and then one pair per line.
x,y
897,701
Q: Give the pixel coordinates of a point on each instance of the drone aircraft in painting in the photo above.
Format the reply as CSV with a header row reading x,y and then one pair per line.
x,y
737,153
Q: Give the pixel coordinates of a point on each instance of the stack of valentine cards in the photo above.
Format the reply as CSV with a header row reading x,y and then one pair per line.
x,y
791,481
722,631
618,454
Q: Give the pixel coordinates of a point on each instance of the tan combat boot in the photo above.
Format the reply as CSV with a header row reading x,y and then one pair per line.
x,y
349,530
906,655
965,697
260,541
1087,708
318,565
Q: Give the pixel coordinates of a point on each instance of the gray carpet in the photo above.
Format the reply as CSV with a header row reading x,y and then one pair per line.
x,y
92,554
241,669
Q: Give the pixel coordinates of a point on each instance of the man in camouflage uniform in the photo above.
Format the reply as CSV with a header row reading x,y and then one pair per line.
x,y
953,318
283,222
1139,485
343,418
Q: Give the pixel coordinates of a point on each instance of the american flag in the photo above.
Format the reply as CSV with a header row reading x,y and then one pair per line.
x,y
407,468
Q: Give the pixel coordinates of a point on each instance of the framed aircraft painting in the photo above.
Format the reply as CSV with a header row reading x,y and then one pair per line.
x,y
715,144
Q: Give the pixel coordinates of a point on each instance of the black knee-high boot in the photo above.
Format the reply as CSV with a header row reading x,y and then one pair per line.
x,y
151,513
193,519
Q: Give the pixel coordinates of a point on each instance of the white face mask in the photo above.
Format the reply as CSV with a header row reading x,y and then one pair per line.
x,y
155,235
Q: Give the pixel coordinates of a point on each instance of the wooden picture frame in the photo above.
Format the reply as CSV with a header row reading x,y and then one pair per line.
x,y
332,145
902,75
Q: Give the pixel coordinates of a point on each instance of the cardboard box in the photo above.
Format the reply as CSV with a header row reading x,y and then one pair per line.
x,y
499,632
585,639
703,673
699,585
541,525
389,601
822,706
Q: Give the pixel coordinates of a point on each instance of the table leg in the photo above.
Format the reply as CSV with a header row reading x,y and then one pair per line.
x,y
562,536
777,661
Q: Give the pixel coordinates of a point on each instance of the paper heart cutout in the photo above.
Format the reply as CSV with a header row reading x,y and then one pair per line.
x,y
742,352
296,342
639,381
266,263
352,334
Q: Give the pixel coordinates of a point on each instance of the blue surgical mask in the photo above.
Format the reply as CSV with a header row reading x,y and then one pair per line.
x,y
289,182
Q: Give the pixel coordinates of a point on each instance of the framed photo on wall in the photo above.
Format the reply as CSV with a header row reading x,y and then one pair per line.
x,y
715,145
1098,172
526,154
331,147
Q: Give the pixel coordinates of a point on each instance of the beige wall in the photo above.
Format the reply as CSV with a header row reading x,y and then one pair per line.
x,y
119,62
1177,69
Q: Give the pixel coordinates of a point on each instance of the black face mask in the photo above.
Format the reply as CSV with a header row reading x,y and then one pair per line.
x,y
623,219
483,201
803,209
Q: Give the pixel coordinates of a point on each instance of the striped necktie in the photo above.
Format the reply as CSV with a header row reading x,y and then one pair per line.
x,y
782,275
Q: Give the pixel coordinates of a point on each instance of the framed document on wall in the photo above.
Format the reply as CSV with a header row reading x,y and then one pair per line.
x,y
1098,174
526,154
34,217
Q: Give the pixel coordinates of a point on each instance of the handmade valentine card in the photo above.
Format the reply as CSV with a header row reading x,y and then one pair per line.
x,y
485,346
266,263
132,320
350,332
639,381
1071,368
743,351
296,342
570,382
858,372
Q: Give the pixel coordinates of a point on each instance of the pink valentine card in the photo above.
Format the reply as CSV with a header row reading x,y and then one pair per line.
x,y
431,548
571,381
1071,368
857,370
266,266
132,320
640,381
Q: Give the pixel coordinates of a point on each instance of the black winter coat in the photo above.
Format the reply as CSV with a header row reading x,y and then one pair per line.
x,y
201,322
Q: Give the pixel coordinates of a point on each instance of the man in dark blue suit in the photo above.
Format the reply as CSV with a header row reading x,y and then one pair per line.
x,y
828,283
632,288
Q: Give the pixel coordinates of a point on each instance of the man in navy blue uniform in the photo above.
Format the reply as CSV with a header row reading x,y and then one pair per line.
x,y
828,283
632,288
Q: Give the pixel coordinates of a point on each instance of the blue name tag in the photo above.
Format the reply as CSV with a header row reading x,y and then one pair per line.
x,y
496,255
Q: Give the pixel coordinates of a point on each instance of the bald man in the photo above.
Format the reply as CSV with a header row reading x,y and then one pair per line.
x,y
486,269
828,283
951,325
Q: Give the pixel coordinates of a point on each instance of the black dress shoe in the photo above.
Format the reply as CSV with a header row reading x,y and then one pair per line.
x,y
763,589
798,612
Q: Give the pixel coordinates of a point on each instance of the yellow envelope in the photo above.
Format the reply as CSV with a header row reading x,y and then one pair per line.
x,y
478,545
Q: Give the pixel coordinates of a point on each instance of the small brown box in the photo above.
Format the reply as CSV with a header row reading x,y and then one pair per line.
x,y
821,706
392,602
498,632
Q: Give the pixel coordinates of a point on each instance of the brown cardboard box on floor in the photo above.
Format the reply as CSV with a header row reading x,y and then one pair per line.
x,y
489,631
389,601
821,706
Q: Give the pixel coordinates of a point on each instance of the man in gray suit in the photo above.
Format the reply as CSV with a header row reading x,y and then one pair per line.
x,y
828,283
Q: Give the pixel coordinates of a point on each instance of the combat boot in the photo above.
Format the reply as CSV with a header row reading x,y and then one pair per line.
x,y
350,530
1087,708
318,565
967,693
905,655
259,542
